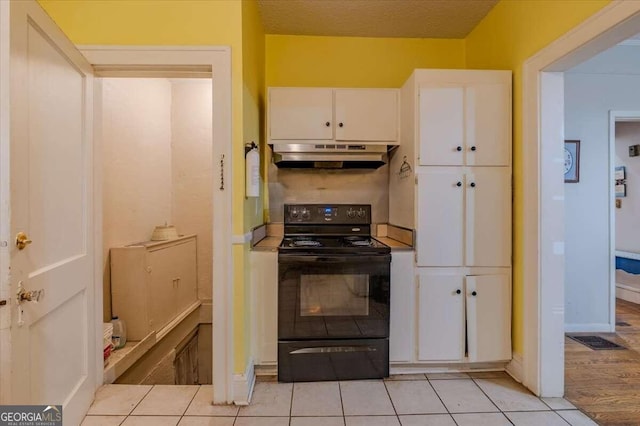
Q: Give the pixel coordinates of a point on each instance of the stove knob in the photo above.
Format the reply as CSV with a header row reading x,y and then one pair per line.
x,y
361,213
351,213
306,214
294,213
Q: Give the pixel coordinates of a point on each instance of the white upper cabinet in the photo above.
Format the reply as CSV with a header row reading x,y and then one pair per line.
x,y
465,124
440,231
301,113
488,125
366,114
488,217
309,115
441,118
464,216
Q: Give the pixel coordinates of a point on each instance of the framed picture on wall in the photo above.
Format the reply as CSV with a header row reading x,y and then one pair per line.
x,y
571,161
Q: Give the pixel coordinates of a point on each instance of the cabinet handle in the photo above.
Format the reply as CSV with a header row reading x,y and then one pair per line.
x,y
327,124
459,148
472,184
473,148
458,291
473,293
340,125
459,184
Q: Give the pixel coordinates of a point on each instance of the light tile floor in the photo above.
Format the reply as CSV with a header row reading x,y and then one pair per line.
x,y
461,399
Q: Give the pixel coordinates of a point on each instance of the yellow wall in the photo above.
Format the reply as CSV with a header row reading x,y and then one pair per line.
x,y
167,22
354,61
512,32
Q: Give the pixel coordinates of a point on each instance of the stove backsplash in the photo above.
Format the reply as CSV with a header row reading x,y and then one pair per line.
x,y
346,186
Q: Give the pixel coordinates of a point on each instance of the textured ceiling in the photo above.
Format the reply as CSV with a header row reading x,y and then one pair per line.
x,y
374,18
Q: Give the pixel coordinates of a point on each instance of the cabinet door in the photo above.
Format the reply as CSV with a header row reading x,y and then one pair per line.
x,y
264,306
489,317
441,317
488,125
441,126
366,114
300,113
440,232
162,287
403,304
488,217
186,284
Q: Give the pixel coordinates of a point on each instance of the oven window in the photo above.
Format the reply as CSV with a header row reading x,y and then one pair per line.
x,y
334,295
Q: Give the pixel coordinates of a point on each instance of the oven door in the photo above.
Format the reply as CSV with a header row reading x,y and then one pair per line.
x,y
333,296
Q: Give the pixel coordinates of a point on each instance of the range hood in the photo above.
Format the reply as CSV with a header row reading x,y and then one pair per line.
x,y
330,156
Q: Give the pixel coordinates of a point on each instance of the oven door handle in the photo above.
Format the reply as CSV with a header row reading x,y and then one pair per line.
x,y
333,349
334,259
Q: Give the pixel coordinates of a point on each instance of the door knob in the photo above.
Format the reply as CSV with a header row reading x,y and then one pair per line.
x,y
22,240
24,295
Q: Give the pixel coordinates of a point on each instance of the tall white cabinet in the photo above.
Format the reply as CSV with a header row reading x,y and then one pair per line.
x,y
456,136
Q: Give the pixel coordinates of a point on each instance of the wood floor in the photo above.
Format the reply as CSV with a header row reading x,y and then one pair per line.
x,y
605,384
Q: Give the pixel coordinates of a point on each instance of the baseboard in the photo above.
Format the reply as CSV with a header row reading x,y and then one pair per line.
x,y
626,293
587,328
398,368
515,368
243,385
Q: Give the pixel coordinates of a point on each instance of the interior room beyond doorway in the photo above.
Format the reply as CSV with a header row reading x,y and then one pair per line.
x,y
157,170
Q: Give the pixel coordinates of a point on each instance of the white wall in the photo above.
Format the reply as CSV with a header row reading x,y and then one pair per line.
x,y
627,229
350,186
588,100
136,141
192,170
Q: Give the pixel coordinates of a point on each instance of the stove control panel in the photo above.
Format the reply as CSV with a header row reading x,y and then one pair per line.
x,y
327,213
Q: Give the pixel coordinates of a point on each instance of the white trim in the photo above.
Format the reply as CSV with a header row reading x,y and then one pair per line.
x,y
614,117
242,239
515,369
97,229
243,385
218,58
627,255
5,293
590,37
630,42
587,328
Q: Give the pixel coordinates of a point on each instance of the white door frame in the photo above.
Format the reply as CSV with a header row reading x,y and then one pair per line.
x,y
5,311
543,269
614,117
140,60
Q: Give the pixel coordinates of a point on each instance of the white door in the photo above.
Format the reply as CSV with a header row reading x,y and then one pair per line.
x,y
489,317
488,216
488,124
440,227
441,316
403,308
441,126
366,114
54,350
300,113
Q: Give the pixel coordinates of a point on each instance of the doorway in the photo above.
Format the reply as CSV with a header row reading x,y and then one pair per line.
x,y
110,61
543,135
156,149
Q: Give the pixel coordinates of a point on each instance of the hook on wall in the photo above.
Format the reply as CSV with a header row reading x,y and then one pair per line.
x,y
405,168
